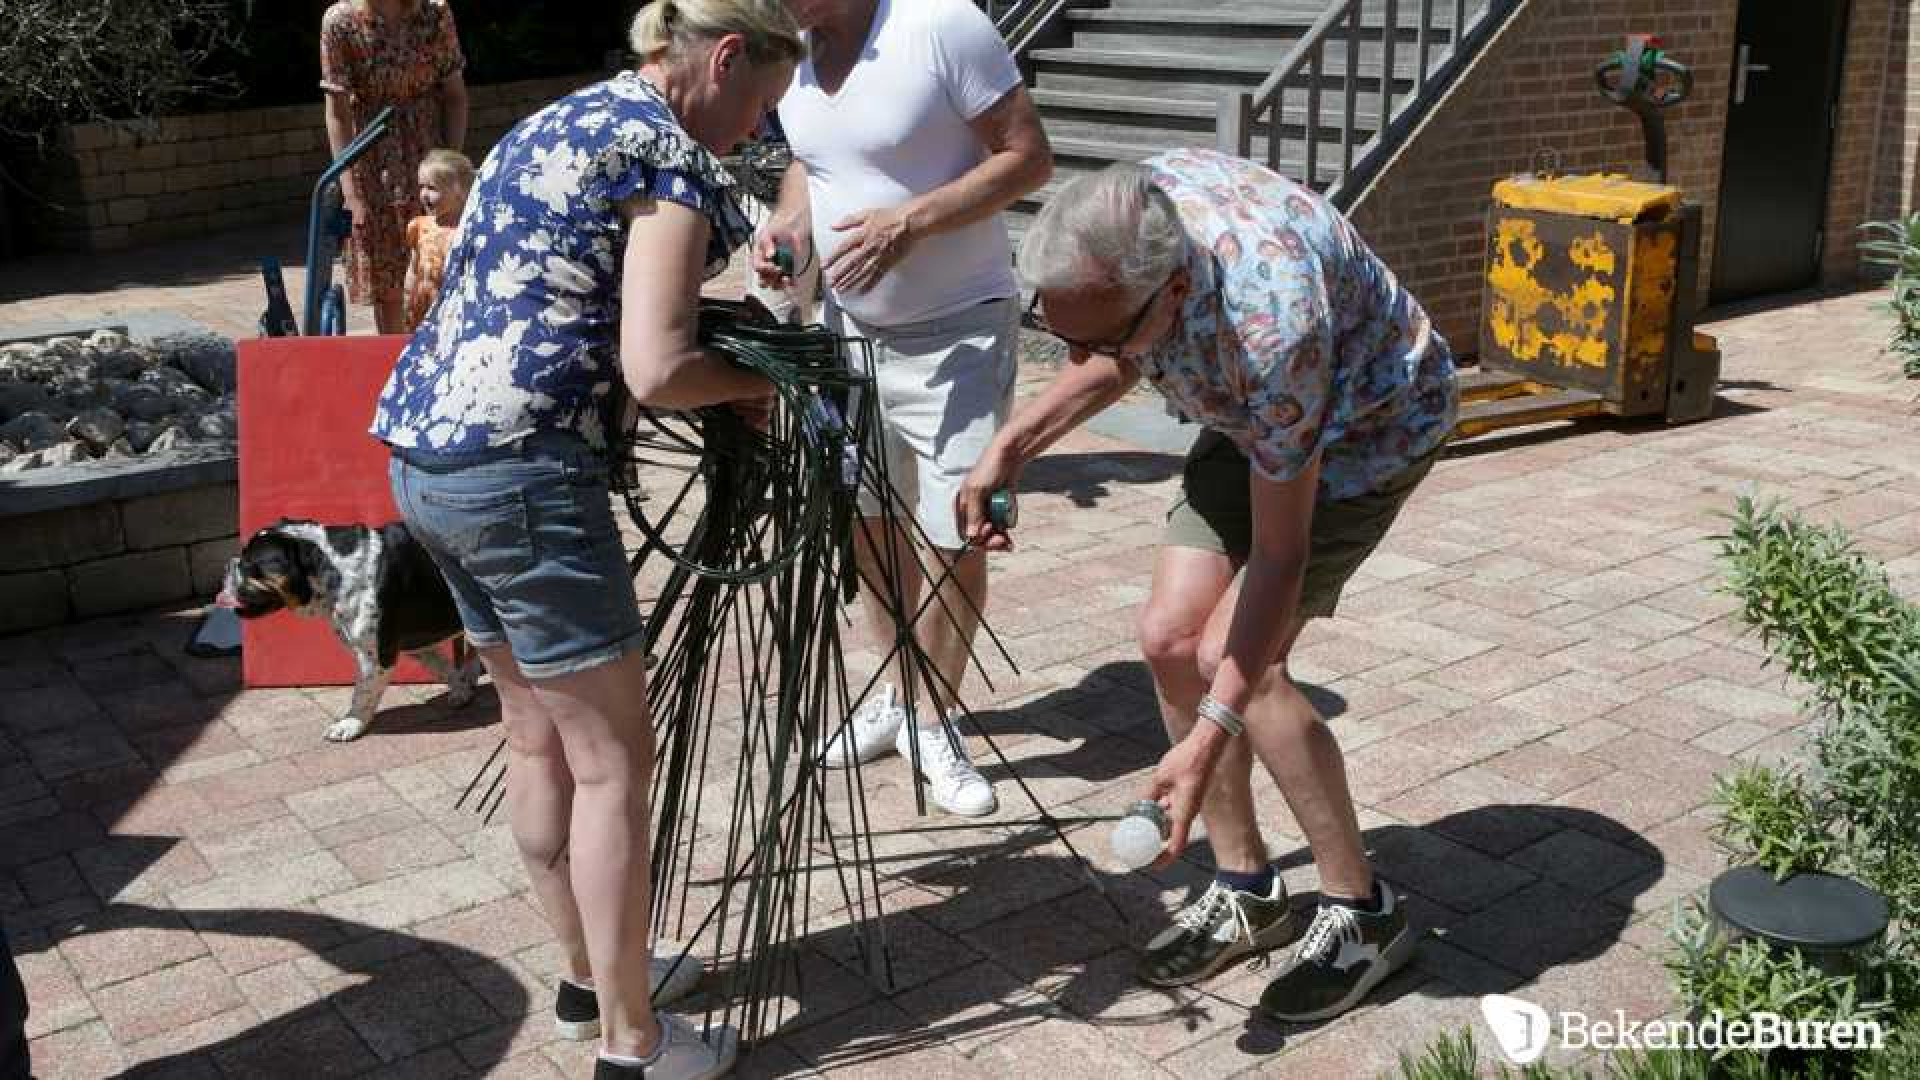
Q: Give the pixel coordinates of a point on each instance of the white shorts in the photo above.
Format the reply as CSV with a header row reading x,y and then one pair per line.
x,y
946,386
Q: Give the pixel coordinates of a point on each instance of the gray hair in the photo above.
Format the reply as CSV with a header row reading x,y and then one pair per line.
x,y
1115,227
666,28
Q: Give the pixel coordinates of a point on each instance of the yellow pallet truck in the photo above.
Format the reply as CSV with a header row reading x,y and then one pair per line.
x,y
1591,284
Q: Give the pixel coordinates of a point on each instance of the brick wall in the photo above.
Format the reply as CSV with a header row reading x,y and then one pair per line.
x,y
116,188
1874,88
1530,103
1896,174
115,555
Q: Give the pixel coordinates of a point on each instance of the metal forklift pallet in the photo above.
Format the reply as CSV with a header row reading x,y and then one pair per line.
x,y
1494,401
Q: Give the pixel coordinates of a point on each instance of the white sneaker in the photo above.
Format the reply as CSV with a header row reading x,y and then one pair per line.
x,y
686,1053
869,734
953,783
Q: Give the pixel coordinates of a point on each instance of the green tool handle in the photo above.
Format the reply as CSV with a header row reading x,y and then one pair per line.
x,y
1003,511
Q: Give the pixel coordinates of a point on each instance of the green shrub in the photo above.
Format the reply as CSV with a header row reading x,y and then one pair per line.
x,y
1768,817
1744,977
1829,615
1898,248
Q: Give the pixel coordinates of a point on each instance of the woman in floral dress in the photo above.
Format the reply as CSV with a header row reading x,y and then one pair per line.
x,y
376,53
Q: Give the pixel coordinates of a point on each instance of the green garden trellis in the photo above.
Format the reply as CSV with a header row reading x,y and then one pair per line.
x,y
748,560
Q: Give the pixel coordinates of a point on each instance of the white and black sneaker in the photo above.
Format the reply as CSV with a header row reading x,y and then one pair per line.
x,y
576,1011
1344,954
1224,926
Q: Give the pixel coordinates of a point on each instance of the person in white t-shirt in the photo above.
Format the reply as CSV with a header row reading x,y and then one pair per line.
x,y
911,131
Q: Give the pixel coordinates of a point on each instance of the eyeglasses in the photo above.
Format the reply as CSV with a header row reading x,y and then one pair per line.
x,y
1107,348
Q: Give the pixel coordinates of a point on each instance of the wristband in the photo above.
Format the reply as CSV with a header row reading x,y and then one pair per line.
x,y
1228,721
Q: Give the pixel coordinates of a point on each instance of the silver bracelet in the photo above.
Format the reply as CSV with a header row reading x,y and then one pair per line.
x,y
1229,721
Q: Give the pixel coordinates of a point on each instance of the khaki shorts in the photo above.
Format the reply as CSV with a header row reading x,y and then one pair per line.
x,y
1214,513
946,386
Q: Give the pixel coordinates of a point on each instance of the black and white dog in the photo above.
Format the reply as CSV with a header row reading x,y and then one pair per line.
x,y
378,587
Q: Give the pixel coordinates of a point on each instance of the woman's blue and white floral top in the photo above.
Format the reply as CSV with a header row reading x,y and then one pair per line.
x,y
1296,339
525,334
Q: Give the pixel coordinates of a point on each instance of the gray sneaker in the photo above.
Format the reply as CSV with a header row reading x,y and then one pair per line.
x,y
1221,928
687,1053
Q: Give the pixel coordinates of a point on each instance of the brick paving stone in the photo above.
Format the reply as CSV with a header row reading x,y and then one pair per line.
x,y
380,857
1632,801
1582,736
1478,807
276,991
292,882
498,928
87,1052
411,1005
1384,769
1432,865
315,1043
1738,702
181,1048
1731,737
163,1000
417,896
121,943
1583,861
258,845
1678,764
1539,926
1667,716
1496,674
53,991
1476,733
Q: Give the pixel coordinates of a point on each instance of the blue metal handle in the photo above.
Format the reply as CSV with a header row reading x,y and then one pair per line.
x,y
322,234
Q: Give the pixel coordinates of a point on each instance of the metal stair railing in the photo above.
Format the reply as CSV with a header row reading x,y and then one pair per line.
x,y
1022,22
1244,114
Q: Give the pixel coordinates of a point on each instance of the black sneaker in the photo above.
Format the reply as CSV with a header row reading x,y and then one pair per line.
x,y
1221,928
1343,955
576,1012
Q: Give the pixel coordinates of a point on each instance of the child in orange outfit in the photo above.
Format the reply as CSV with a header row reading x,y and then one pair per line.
x,y
445,178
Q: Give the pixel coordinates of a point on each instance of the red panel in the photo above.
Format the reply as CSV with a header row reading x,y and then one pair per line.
x,y
305,404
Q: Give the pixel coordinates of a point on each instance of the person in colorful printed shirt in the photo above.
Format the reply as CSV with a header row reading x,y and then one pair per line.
x,y
577,267
1324,396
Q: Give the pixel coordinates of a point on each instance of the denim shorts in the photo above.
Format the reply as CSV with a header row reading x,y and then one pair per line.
x,y
526,539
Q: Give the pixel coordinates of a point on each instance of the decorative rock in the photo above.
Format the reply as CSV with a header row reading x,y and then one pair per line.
x,y
120,450
169,439
141,433
28,363
66,453
109,341
18,396
67,348
97,427
7,453
208,358
78,392
215,424
33,431
124,363
144,402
